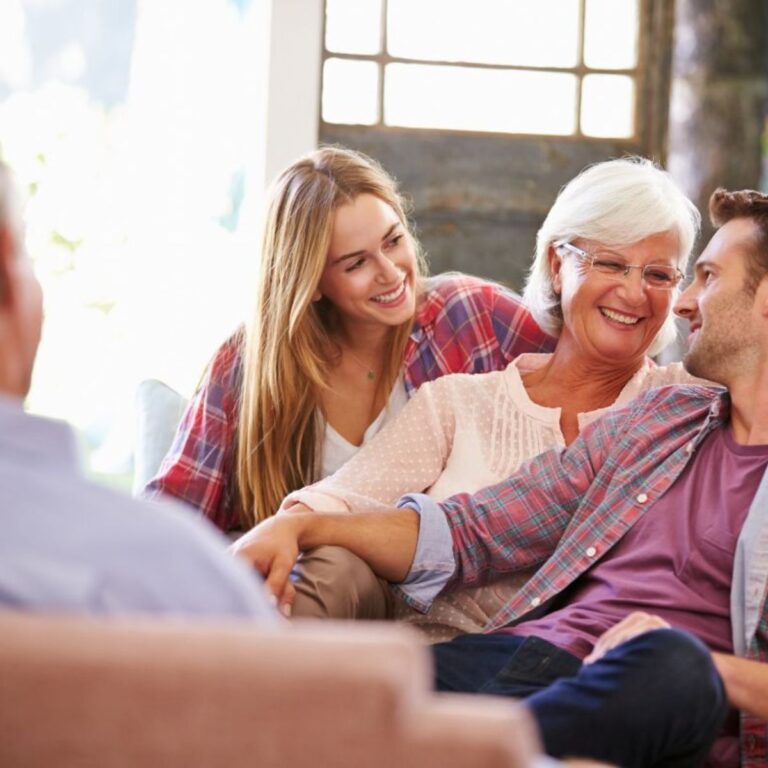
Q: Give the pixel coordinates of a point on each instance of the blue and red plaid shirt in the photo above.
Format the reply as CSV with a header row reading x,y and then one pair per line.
x,y
566,508
463,325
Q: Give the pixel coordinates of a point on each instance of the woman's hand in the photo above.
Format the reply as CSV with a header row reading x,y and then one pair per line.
x,y
633,625
272,547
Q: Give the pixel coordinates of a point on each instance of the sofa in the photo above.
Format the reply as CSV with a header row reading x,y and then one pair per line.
x,y
106,693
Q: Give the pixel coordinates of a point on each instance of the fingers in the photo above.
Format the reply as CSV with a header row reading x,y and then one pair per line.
x,y
633,625
278,583
272,548
287,599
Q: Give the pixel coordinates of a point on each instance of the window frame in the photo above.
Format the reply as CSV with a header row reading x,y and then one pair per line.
x,y
655,22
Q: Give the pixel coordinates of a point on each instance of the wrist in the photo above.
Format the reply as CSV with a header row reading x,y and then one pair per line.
x,y
296,524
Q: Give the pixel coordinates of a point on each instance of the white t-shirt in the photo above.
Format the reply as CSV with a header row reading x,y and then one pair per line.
x,y
337,450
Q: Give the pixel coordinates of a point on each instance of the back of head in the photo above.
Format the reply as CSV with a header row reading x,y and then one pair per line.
x,y
615,203
21,309
11,229
745,204
10,215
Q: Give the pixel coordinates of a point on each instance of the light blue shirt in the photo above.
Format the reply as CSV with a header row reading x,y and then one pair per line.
x,y
433,561
750,572
68,545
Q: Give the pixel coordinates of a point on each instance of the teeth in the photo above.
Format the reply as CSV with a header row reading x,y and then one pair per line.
x,y
385,298
619,318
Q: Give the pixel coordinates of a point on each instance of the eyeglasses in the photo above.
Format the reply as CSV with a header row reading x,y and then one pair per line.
x,y
661,277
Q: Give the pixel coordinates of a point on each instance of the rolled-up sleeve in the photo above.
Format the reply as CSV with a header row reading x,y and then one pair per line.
x,y
433,563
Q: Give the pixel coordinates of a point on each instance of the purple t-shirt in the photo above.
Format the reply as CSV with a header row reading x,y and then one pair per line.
x,y
675,562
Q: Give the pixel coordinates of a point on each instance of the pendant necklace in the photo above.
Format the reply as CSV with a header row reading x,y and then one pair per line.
x,y
370,372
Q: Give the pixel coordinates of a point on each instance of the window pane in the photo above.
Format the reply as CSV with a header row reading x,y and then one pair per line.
x,y
463,98
608,106
350,92
99,115
511,32
610,34
353,26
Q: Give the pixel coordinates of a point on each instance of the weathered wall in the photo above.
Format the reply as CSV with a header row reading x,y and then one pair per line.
x,y
719,95
478,200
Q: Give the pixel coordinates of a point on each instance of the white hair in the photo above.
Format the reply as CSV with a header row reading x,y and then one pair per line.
x,y
616,203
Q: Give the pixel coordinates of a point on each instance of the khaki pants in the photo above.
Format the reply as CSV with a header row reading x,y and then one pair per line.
x,y
335,584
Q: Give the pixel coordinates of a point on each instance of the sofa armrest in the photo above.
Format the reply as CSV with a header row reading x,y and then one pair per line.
x,y
113,694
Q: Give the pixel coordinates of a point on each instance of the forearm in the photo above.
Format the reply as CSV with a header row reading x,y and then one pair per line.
x,y
408,455
746,683
385,540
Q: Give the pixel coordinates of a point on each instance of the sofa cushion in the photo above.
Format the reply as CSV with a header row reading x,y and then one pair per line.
x,y
158,411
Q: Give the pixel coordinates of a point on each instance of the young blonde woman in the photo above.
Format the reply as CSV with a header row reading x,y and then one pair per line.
x,y
345,328
609,258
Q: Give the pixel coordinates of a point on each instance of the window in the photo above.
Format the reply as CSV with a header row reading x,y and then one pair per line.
x,y
553,67
127,124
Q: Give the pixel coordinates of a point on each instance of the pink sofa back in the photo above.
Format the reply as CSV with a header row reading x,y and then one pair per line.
x,y
112,694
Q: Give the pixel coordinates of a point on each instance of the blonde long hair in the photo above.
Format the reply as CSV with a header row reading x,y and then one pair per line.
x,y
289,345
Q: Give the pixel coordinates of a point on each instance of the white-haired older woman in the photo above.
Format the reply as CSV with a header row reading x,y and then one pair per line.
x,y
609,258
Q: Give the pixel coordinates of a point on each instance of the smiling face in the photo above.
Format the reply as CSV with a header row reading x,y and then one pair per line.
x,y
725,329
608,320
370,271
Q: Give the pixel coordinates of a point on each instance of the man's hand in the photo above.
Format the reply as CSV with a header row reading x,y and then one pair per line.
x,y
633,625
273,548
385,540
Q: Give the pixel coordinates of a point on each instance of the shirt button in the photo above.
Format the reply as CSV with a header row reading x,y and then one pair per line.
x,y
689,447
535,602
642,498
591,552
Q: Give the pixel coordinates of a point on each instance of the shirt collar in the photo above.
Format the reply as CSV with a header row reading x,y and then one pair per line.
x,y
27,439
719,414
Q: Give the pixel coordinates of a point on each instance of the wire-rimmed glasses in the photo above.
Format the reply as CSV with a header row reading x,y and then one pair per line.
x,y
662,277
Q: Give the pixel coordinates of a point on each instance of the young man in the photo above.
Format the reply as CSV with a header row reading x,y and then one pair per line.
x,y
65,544
642,513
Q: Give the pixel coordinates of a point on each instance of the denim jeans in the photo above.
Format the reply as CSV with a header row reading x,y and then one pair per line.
x,y
656,700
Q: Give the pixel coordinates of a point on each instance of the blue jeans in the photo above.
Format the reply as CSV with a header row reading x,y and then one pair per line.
x,y
656,700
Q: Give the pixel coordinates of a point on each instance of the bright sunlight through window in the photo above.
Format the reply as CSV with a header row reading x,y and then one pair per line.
x,y
126,124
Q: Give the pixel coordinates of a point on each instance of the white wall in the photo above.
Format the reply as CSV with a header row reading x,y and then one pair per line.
x,y
287,34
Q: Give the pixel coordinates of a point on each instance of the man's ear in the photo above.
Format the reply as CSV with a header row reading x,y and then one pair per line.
x,y
555,263
761,296
7,258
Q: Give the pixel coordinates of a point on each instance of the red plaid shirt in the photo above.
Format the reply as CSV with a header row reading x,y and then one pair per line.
x,y
564,509
463,325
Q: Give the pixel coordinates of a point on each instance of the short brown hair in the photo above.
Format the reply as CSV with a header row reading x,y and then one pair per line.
x,y
745,204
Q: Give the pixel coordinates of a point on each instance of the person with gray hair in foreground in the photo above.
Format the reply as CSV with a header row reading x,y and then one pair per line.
x,y
67,545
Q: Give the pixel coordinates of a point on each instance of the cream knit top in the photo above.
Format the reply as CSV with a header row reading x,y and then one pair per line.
x,y
460,433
